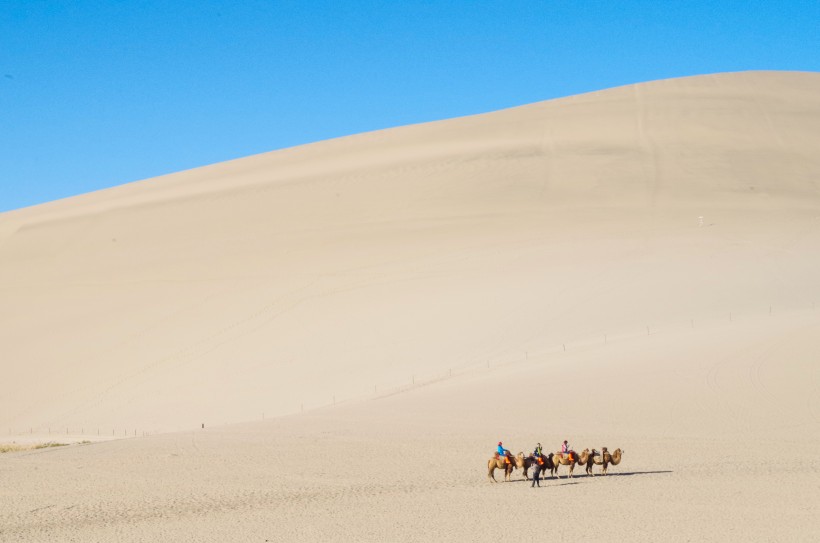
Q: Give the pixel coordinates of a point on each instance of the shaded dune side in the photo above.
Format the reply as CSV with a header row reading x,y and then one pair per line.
x,y
351,266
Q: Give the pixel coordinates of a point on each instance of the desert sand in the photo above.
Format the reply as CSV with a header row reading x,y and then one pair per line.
x,y
326,342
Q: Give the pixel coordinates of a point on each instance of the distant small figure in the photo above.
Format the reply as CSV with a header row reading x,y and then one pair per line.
x,y
700,220
536,474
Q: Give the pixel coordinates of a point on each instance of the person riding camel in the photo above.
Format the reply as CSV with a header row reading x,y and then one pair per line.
x,y
566,450
502,452
538,454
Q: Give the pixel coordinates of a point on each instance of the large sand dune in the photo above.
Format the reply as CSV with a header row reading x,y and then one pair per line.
x,y
633,268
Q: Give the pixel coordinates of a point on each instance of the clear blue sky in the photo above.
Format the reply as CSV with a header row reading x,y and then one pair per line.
x,y
99,93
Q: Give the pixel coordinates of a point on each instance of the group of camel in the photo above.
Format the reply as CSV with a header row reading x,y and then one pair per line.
x,y
553,461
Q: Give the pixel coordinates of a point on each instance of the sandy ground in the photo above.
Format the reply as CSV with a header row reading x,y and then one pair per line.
x,y
635,268
718,428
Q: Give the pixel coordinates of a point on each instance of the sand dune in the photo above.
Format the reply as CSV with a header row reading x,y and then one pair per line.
x,y
636,268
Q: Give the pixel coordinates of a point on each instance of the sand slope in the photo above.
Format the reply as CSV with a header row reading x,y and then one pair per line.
x,y
636,267
283,279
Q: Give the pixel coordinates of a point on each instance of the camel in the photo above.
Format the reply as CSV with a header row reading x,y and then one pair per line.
x,y
598,459
607,459
547,462
527,462
594,458
559,459
499,462
524,463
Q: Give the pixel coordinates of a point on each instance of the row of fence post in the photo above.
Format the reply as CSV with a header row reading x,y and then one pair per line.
x,y
376,386
99,432
648,329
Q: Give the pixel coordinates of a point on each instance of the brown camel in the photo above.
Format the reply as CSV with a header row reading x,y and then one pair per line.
x,y
594,458
599,458
607,459
499,462
526,462
546,462
559,459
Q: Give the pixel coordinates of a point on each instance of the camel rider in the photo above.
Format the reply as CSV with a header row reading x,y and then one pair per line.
x,y
566,450
504,453
538,454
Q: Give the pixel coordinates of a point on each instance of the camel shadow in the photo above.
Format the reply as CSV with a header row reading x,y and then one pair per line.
x,y
519,481
545,482
629,473
611,474
563,481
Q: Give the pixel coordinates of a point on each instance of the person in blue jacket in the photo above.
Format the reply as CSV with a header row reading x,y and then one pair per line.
x,y
502,452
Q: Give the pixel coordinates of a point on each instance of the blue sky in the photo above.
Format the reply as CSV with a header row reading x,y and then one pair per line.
x,y
99,93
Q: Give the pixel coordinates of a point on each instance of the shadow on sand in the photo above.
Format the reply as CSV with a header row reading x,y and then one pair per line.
x,y
629,473
545,482
585,476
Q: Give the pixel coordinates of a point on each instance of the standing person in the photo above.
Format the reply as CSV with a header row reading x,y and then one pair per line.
x,y
536,473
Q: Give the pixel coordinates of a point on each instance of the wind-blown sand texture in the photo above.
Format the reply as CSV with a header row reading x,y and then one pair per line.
x,y
634,268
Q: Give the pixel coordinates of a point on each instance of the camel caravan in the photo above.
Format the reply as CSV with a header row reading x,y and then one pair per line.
x,y
540,462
